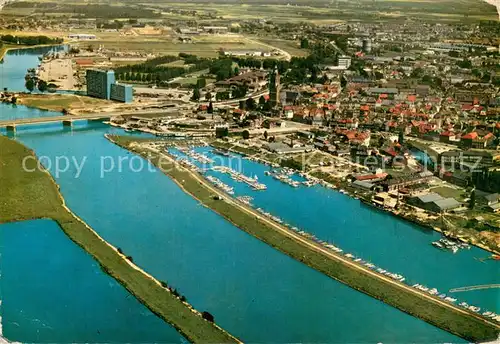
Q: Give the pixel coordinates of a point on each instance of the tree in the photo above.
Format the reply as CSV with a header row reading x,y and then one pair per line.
x,y
343,82
304,43
207,316
208,96
250,104
245,134
265,135
42,86
262,100
472,200
196,95
210,108
200,83
30,85
401,137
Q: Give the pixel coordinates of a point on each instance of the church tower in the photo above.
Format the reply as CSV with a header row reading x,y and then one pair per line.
x,y
274,88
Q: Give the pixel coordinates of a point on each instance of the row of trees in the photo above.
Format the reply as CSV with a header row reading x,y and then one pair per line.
x,y
154,70
32,83
30,40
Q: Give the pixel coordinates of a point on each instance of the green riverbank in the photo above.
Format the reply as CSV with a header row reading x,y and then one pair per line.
x,y
35,195
430,309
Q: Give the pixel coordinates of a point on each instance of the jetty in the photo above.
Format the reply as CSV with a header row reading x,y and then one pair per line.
x,y
475,287
240,177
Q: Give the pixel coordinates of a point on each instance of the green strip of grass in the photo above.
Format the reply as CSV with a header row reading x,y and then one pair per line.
x,y
463,325
34,195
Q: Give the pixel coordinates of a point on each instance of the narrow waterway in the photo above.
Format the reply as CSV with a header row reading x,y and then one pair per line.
x,y
54,292
15,64
254,291
389,242
13,69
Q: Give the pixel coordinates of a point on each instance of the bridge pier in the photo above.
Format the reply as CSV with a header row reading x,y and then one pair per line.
x,y
67,123
11,128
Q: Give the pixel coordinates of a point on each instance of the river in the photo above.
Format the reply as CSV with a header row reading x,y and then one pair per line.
x,y
53,292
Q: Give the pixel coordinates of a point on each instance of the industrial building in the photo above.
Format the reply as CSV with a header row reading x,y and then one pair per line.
x,y
82,36
122,93
102,84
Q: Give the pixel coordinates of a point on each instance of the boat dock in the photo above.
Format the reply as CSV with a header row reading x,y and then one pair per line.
x,y
240,177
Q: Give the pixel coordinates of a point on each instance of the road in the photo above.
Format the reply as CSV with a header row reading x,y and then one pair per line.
x,y
320,249
286,54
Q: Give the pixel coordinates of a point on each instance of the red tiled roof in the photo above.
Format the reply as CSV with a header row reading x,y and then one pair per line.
x,y
372,176
470,136
84,62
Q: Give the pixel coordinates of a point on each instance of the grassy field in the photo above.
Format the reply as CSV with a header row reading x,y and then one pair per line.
x,y
34,195
290,47
321,12
461,324
449,192
331,12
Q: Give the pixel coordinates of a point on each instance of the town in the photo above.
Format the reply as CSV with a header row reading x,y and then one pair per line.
x,y
397,114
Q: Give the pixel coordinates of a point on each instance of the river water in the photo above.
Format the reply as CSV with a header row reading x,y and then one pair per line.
x,y
54,292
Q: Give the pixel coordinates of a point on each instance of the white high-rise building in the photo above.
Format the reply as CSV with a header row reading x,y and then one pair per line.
x,y
345,62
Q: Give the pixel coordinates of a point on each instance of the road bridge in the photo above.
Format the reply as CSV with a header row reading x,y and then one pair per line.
x,y
67,120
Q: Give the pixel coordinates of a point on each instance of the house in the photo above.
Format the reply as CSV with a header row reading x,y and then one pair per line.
x,y
475,140
470,159
434,202
489,199
406,180
446,136
288,112
363,185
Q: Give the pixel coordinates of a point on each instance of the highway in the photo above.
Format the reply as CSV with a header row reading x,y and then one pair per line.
x,y
326,252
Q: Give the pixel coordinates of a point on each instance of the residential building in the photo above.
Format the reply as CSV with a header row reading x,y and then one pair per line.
x,y
122,93
99,83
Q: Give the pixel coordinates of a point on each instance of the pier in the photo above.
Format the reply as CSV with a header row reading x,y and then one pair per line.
x,y
252,182
475,287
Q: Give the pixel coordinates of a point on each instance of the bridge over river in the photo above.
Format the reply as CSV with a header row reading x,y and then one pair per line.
x,y
68,119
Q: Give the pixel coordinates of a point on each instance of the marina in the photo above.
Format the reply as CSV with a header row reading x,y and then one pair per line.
x,y
335,211
218,183
240,177
396,276
449,244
